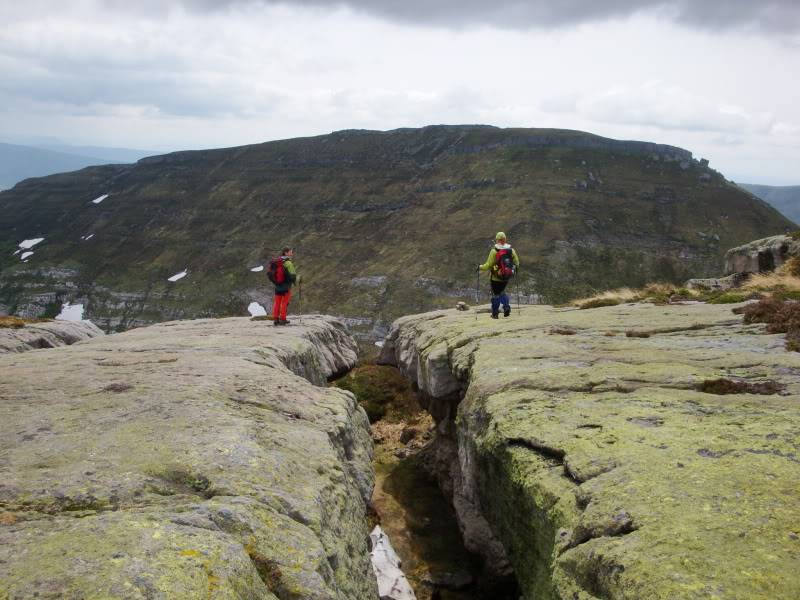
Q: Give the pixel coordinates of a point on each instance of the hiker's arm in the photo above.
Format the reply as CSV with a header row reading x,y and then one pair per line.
x,y
489,261
515,257
289,266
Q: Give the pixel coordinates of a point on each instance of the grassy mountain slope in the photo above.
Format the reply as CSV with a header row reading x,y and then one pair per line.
x,y
785,198
385,223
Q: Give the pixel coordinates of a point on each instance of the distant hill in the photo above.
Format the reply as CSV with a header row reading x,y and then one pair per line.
x,y
384,223
113,155
785,198
18,162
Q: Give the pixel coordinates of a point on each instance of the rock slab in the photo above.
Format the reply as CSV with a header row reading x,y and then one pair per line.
x,y
597,462
49,334
196,459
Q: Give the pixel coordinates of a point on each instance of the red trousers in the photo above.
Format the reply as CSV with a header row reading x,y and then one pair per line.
x,y
280,305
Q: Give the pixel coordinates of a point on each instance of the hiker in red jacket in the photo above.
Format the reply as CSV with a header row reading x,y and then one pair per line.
x,y
283,275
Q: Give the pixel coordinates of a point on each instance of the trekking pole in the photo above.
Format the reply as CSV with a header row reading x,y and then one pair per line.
x,y
477,290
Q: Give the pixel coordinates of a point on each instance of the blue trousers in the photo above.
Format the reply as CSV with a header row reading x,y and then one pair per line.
x,y
499,297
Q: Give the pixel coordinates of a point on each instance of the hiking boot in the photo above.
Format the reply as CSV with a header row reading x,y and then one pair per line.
x,y
506,311
495,315
276,322
284,322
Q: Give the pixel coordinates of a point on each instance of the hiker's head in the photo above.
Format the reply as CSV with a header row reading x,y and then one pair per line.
x,y
287,251
500,238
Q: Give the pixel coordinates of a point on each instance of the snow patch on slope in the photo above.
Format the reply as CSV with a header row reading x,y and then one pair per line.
x,y
28,244
257,310
177,276
70,312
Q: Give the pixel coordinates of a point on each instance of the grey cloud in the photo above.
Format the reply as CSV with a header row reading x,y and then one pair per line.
x,y
781,16
663,106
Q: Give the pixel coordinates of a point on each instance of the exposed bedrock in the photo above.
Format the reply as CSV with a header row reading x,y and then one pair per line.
x,y
761,256
49,334
190,459
593,463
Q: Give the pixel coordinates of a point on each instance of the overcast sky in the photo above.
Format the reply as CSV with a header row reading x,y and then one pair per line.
x,y
716,77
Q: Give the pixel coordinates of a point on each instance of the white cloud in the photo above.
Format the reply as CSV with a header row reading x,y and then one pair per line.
x,y
168,75
664,106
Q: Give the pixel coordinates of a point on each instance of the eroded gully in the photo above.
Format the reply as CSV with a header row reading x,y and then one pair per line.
x,y
407,502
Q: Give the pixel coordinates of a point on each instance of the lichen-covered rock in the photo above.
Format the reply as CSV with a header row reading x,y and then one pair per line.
x,y
718,284
186,460
597,462
47,334
762,255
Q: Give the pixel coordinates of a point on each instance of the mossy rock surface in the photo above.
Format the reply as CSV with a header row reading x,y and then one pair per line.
x,y
197,459
599,463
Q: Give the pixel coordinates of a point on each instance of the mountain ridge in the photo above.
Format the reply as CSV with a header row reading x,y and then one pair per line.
x,y
23,161
384,223
18,163
785,198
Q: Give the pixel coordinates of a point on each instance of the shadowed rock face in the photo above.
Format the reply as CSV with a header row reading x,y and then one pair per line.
x,y
595,461
761,256
186,460
46,335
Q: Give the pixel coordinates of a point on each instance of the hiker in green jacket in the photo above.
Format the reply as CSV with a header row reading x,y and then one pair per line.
x,y
502,265
283,275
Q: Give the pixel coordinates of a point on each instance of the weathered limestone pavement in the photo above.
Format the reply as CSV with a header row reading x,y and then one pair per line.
x,y
190,459
578,448
49,334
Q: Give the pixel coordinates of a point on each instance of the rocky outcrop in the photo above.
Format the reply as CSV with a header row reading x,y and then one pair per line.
x,y
594,448
762,255
718,284
49,334
186,460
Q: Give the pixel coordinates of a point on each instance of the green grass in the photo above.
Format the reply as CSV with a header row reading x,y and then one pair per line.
x,y
382,391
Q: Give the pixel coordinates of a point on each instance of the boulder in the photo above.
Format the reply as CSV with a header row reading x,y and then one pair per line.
x,y
48,334
718,284
605,465
392,583
761,256
190,459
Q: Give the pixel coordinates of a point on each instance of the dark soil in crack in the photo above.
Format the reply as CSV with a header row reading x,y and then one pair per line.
x,y
407,502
